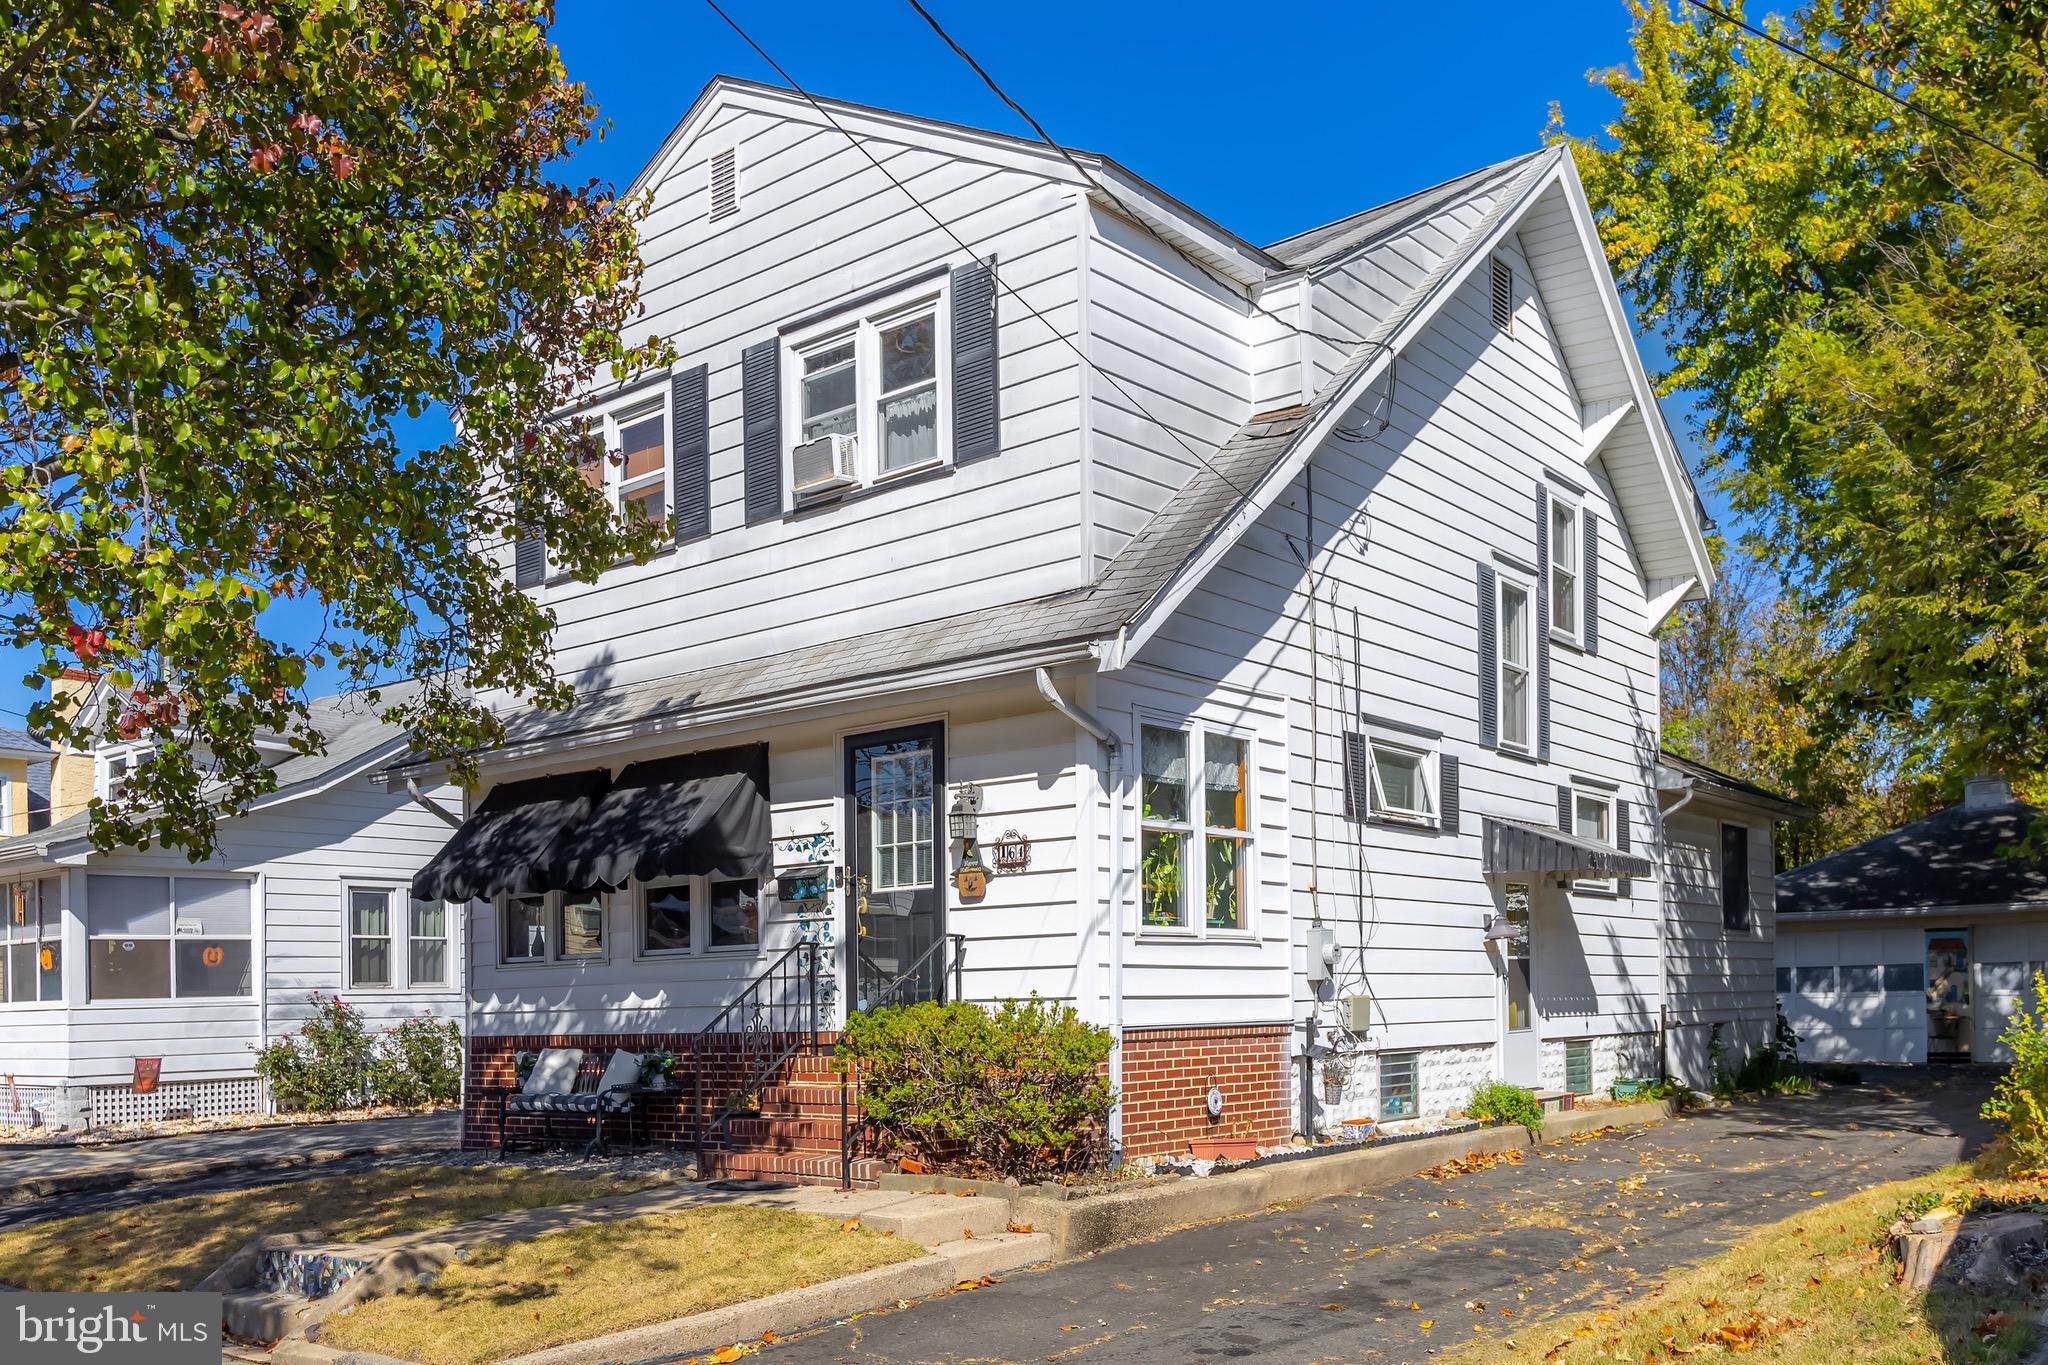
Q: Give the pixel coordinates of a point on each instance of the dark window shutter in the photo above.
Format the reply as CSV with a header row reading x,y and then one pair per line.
x,y
761,427
1357,777
1621,841
690,463
1564,809
1590,549
1447,794
529,555
1542,622
977,426
1489,661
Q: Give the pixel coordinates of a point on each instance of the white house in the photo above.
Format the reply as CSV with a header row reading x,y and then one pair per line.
x,y
1918,944
1287,611
115,960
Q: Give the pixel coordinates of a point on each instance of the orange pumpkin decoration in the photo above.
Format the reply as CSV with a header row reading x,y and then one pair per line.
x,y
212,956
48,960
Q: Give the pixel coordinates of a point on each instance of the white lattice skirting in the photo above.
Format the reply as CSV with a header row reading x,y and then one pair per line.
x,y
20,1105
177,1099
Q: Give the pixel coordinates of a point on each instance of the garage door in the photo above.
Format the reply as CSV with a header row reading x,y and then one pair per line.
x,y
1855,995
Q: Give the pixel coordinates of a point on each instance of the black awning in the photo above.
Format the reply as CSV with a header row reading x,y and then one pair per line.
x,y
691,815
510,842
1510,846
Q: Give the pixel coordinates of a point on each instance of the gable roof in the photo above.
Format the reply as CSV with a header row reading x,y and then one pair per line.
x,y
356,738
21,744
1320,246
1954,857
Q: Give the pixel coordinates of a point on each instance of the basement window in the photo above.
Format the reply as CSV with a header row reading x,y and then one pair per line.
x,y
1398,1091
1578,1066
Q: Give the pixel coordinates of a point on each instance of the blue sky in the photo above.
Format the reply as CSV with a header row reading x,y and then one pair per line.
x,y
1268,121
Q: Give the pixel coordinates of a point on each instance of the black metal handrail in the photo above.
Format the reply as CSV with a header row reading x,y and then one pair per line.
x,y
898,988
774,1017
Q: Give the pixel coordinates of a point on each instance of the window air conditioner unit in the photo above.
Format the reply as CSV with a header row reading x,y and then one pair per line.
x,y
822,465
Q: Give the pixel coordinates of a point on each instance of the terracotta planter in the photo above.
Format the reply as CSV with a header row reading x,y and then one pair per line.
x,y
1223,1149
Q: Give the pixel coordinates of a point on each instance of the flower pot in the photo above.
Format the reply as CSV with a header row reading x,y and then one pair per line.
x,y
1223,1149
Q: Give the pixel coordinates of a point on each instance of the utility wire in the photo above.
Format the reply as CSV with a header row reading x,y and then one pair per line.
x,y
1911,105
1345,344
944,227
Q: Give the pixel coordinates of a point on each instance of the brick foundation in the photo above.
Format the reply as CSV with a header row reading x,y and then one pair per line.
x,y
1168,1072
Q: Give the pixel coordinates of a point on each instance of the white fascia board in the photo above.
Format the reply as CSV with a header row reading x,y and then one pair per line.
x,y
1819,919
1311,437
1670,465
1239,261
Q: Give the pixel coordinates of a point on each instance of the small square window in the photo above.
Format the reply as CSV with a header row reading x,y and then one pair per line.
x,y
1905,977
583,926
526,928
1401,783
735,914
666,920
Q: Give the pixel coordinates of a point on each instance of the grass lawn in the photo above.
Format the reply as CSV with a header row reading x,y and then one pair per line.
x,y
1814,1289
179,1242
584,1282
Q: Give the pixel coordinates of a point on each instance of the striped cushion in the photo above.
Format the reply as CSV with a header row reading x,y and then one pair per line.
x,y
567,1104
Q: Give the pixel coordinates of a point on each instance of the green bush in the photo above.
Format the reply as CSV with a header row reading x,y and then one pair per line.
x,y
2020,1100
325,1066
1499,1102
418,1063
1015,1091
335,1062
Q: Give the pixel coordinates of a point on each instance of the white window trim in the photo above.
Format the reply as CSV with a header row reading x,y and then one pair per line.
x,y
1604,886
700,921
608,418
103,759
251,938
6,803
1573,635
1196,831
1504,581
400,935
1431,778
47,930
865,325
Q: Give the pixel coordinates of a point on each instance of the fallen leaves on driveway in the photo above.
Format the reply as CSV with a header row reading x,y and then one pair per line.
x,y
1471,1162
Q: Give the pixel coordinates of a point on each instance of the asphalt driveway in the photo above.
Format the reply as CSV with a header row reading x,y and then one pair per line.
x,y
1410,1268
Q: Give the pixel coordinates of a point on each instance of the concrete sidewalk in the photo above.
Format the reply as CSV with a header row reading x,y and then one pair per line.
x,y
31,1173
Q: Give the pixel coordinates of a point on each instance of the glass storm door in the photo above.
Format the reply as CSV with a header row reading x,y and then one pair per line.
x,y
1521,1050
895,782
1948,995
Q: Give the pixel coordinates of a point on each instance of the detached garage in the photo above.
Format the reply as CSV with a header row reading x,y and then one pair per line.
x,y
1915,946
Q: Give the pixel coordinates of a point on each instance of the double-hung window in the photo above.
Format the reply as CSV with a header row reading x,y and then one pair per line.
x,y
162,938
1195,844
1593,815
112,766
1564,569
626,457
553,926
879,381
395,940
680,916
32,943
1517,690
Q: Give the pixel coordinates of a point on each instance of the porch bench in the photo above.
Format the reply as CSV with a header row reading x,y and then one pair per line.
x,y
557,1087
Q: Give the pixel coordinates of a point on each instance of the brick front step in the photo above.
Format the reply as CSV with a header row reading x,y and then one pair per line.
x,y
811,1168
783,1133
822,1100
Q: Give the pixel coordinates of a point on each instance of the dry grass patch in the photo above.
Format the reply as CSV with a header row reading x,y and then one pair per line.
x,y
179,1242
1814,1289
608,1277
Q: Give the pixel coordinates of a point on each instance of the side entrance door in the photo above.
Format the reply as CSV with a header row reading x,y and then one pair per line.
x,y
896,903
1521,1049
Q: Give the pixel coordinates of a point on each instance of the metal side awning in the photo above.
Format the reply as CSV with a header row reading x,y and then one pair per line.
x,y
1513,846
689,815
509,843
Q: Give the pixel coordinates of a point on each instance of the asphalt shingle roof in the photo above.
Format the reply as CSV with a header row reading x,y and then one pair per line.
x,y
1331,240
1953,857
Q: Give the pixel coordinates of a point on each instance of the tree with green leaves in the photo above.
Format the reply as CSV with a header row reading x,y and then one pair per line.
x,y
1854,294
238,247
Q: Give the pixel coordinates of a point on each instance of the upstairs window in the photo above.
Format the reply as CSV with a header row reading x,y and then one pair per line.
x,y
1403,783
1564,569
869,394
1517,690
1593,819
627,459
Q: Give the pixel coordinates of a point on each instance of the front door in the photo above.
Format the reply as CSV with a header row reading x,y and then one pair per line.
x,y
896,911
1521,1049
1948,995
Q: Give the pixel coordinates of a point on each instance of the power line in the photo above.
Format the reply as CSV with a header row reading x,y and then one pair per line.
x,y
944,227
1345,344
1914,106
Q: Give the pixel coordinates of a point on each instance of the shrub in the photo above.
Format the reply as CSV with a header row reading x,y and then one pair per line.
x,y
418,1063
2020,1100
1015,1091
1681,1095
1499,1102
323,1067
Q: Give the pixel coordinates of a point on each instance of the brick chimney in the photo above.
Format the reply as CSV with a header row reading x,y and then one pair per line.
x,y
71,770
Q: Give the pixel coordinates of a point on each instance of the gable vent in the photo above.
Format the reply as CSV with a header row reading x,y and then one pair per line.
x,y
1503,295
725,184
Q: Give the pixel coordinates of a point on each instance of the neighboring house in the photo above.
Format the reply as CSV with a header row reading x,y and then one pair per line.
x,y
1720,915
137,954
24,783
1288,611
1916,946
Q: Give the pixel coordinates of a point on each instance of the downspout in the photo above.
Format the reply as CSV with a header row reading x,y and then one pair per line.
x,y
1664,932
461,935
1113,784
